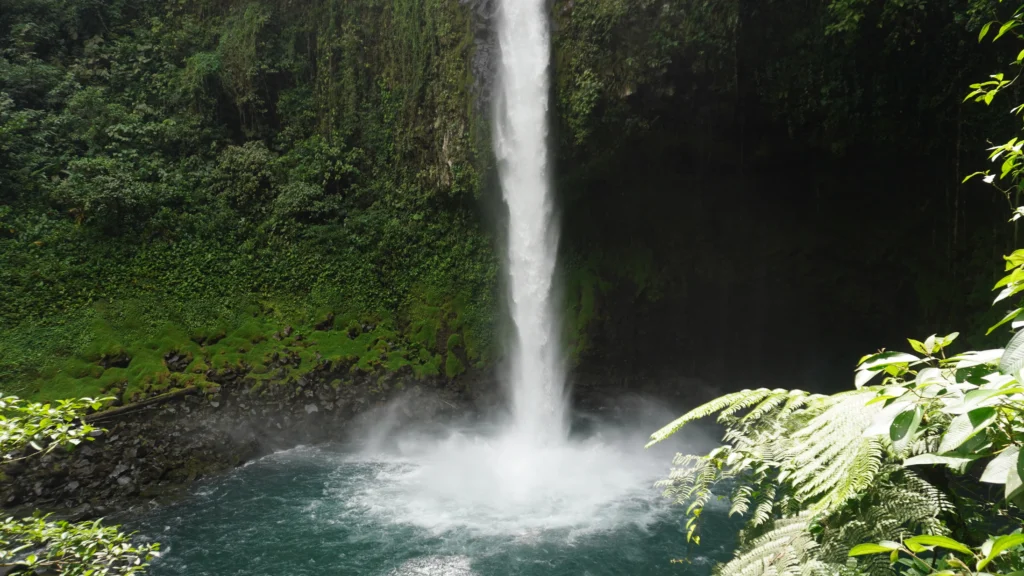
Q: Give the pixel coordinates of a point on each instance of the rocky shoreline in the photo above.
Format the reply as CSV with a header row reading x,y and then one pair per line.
x,y
151,451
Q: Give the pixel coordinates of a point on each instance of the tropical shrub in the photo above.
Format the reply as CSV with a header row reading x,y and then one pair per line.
x,y
883,467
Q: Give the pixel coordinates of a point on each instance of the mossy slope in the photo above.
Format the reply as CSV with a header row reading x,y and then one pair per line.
x,y
123,353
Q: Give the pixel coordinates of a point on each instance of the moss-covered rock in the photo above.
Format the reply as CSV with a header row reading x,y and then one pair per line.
x,y
453,366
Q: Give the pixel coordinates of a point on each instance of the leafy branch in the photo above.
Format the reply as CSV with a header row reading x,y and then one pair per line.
x,y
44,427
38,544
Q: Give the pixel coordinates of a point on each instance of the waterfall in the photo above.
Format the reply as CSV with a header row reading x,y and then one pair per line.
x,y
536,375
528,476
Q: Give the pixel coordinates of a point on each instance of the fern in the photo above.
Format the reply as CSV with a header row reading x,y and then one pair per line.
x,y
798,460
765,504
771,403
727,402
899,506
740,500
780,551
692,478
763,394
831,460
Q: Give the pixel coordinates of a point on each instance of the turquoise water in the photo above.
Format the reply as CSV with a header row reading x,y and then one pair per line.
x,y
335,510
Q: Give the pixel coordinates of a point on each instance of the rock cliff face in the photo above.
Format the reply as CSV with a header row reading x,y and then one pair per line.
x,y
151,450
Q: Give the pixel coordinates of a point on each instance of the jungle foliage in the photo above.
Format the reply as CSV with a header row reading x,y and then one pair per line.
x,y
918,473
170,169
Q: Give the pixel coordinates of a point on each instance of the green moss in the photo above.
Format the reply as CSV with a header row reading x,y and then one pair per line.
x,y
225,361
424,331
173,338
105,344
206,336
453,366
353,329
198,366
428,368
244,339
252,330
395,362
454,341
79,369
583,288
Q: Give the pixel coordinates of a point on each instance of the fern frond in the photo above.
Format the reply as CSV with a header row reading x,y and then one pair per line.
x,y
831,460
899,506
816,567
765,504
909,500
692,477
846,476
778,552
770,404
800,458
742,399
741,500
798,401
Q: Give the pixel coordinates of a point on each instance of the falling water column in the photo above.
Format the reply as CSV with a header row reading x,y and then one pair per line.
x,y
536,374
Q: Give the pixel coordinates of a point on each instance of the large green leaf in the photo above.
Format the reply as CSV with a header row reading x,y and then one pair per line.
x,y
1016,258
1005,319
881,548
998,469
1013,357
862,377
903,428
919,543
1002,544
976,398
966,426
883,359
1013,277
876,363
917,345
954,462
984,31
1009,290
1020,466
1013,482
970,359
1006,27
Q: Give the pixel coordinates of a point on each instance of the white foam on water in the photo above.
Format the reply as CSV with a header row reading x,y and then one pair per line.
x,y
499,485
435,566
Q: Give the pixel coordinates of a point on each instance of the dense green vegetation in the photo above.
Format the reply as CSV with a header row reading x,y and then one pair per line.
x,y
190,178
172,171
920,473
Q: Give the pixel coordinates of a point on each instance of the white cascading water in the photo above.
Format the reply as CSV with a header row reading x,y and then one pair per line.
x,y
536,375
528,476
